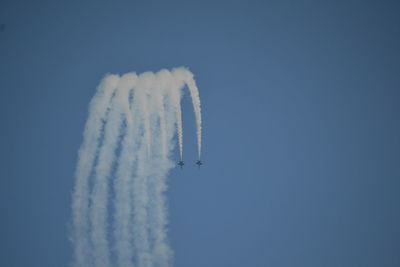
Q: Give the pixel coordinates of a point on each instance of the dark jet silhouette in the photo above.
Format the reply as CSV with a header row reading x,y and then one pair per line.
x,y
199,163
180,163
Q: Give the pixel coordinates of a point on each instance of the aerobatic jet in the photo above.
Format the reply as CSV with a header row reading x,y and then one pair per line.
x,y
180,163
199,163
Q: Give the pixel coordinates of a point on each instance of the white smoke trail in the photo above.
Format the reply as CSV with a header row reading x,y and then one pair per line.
x,y
176,95
123,181
188,78
194,92
161,252
152,117
158,94
140,185
178,114
143,90
99,198
86,156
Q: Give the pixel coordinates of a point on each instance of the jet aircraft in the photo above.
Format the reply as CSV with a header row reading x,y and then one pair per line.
x,y
199,163
181,163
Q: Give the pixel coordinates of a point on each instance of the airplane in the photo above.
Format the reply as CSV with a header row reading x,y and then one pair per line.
x,y
199,163
181,163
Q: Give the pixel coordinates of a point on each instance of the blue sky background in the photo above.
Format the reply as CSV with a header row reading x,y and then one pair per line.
x,y
301,125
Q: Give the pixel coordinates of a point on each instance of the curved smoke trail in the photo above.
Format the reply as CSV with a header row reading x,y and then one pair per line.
x,y
194,93
122,202
176,96
100,191
98,110
124,159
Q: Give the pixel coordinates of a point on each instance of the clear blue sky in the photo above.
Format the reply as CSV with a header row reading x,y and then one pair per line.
x,y
301,125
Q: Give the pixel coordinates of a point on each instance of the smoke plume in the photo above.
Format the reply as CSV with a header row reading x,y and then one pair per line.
x,y
119,208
